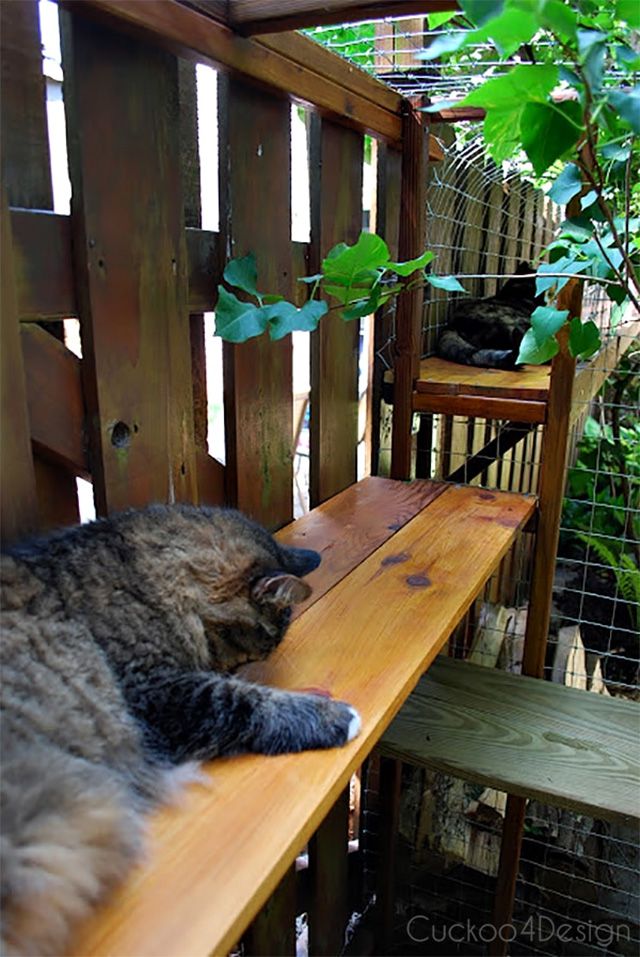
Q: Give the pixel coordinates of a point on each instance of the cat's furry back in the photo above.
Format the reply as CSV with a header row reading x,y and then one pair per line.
x,y
488,332
118,643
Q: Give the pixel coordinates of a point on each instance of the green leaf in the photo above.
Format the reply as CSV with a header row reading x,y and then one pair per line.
x,y
508,31
501,131
548,132
588,199
578,228
626,57
436,20
364,307
238,321
284,317
534,352
479,11
628,10
311,279
367,254
564,264
243,274
567,185
405,269
545,322
450,283
628,106
559,18
594,66
584,338
587,39
523,84
612,151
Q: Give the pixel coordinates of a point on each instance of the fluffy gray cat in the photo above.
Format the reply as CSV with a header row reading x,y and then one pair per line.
x,y
118,639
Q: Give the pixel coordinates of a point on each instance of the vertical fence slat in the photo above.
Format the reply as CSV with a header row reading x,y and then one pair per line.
x,y
256,204
274,929
27,173
127,219
336,156
329,877
18,507
410,305
388,224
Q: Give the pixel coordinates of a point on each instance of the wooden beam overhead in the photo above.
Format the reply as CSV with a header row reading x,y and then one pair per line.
x,y
274,16
334,86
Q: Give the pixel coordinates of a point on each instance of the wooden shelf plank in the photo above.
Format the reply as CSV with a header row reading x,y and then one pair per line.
x,y
215,860
529,737
439,376
480,406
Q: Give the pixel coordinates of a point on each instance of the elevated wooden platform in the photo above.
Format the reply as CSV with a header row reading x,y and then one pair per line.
x,y
525,736
401,565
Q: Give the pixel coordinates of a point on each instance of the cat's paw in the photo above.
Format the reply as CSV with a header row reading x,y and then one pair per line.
x,y
304,722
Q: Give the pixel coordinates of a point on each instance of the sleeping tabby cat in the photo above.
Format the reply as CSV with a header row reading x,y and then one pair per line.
x,y
488,332
118,642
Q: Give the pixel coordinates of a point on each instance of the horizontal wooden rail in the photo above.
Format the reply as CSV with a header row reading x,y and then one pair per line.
x,y
481,406
214,861
44,277
328,83
265,16
529,737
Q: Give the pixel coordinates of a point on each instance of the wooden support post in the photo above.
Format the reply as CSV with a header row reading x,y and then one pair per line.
x,y
329,877
389,806
409,309
335,159
274,929
552,479
121,100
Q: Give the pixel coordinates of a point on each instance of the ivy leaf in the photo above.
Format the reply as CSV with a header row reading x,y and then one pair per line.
x,y
534,352
587,39
559,18
479,11
523,84
243,274
545,322
405,269
584,338
547,132
365,256
238,321
450,283
628,106
284,317
567,185
436,20
628,10
508,31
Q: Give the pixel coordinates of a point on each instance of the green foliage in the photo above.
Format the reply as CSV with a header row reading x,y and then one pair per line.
x,y
624,568
360,278
582,50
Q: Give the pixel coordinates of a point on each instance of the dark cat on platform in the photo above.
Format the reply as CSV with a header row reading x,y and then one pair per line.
x,y
488,332
118,642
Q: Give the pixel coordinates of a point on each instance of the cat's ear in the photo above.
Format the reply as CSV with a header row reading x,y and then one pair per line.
x,y
281,588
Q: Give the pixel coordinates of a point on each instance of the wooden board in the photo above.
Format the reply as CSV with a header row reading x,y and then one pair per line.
x,y
43,264
350,526
213,862
25,144
54,396
336,216
190,34
489,407
122,112
18,501
256,206
533,738
263,16
439,376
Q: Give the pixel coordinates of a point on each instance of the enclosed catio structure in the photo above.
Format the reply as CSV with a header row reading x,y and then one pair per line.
x,y
283,853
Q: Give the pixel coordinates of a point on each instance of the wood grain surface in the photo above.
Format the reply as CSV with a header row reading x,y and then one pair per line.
x,y
534,738
215,860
